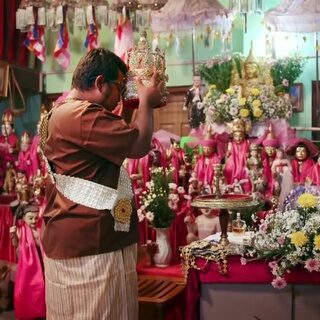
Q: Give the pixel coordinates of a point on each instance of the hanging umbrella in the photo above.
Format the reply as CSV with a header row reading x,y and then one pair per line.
x,y
186,15
297,16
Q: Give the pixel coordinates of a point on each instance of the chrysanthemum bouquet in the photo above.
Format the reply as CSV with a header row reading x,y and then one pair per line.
x,y
223,107
288,239
157,204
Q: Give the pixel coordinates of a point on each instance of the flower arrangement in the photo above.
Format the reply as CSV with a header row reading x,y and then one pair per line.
x,y
157,202
288,239
260,105
285,71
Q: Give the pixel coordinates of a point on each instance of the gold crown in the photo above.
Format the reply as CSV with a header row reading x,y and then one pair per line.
x,y
25,138
141,63
7,117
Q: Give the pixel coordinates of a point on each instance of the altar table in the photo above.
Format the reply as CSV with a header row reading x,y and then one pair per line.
x,y
245,292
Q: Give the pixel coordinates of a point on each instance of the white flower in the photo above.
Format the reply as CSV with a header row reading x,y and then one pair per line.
x,y
149,216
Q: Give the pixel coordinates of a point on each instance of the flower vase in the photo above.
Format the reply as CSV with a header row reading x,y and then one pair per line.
x,y
163,255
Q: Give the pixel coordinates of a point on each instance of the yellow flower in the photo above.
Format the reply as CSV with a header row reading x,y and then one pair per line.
x,y
208,95
244,113
255,91
212,87
230,91
307,200
242,101
256,103
257,112
298,238
316,241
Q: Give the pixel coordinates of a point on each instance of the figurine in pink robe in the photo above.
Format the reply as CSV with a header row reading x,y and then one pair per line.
x,y
175,158
314,177
29,289
236,157
9,142
270,144
204,167
303,151
24,162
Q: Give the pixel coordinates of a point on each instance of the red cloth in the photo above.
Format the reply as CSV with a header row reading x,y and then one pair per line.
x,y
174,270
2,29
7,252
253,272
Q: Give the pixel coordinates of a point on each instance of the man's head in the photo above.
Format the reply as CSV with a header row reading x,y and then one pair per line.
x,y
103,73
197,81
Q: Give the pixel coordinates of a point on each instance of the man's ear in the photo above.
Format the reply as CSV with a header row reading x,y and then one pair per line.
x,y
99,82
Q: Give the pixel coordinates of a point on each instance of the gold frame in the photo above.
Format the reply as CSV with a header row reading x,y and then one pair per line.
x,y
296,97
4,78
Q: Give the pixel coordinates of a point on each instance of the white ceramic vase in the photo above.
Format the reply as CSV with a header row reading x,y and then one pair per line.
x,y
163,255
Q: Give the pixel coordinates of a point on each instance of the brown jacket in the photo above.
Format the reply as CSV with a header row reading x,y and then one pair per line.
x,y
88,142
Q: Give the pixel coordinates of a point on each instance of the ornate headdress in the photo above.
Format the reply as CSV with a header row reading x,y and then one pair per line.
x,y
209,140
25,138
7,117
142,62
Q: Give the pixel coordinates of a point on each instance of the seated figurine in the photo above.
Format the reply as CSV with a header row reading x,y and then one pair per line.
x,y
202,226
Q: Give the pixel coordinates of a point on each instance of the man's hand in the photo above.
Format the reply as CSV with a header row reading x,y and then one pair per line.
x,y
150,95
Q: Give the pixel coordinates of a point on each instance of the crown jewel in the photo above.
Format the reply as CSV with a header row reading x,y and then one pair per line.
x,y
141,63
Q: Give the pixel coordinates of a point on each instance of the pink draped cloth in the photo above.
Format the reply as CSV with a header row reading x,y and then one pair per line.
x,y
25,162
176,162
315,174
299,176
268,174
7,251
29,289
204,168
34,155
236,164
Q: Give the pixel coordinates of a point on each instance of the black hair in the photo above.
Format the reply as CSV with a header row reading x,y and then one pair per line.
x,y
97,62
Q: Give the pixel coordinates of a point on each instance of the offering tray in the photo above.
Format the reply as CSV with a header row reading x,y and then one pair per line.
x,y
225,201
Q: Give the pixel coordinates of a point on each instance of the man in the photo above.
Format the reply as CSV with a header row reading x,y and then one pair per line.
x,y
91,226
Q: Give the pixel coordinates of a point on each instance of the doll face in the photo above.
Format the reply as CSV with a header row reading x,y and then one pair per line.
x,y
301,153
197,81
207,150
24,146
238,136
270,151
31,219
279,154
6,129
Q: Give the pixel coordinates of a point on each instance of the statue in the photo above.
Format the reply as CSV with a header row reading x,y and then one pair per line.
x,y
193,102
304,151
24,157
204,167
9,180
22,188
236,156
253,75
29,280
254,165
202,226
175,158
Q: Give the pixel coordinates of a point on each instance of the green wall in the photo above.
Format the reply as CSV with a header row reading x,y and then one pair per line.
x,y
179,67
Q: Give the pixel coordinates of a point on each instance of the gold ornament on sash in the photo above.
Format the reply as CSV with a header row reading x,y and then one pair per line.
x,y
142,62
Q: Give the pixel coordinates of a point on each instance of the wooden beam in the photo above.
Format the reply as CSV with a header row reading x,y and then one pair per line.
x,y
28,79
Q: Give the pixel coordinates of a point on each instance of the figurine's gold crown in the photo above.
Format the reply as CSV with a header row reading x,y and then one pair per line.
x,y
142,62
238,125
7,117
25,138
